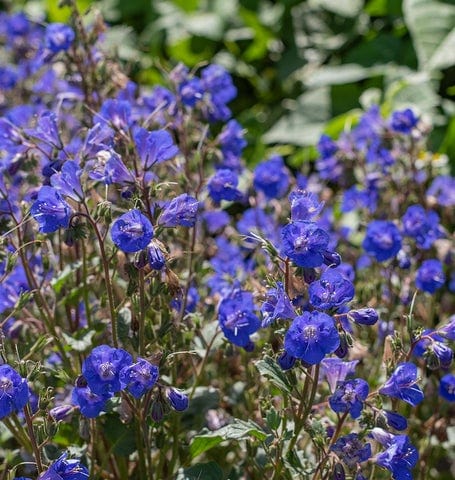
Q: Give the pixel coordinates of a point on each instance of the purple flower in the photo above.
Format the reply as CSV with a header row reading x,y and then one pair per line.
x,y
395,420
351,450
191,91
108,167
177,399
50,210
61,412
68,182
448,330
58,37
46,130
155,256
154,147
430,276
231,139
286,361
311,336
336,370
447,387
331,290
277,306
90,404
304,243
8,77
223,186
442,190
139,378
403,121
399,457
218,83
382,240
181,210
116,112
14,391
349,397
237,318
304,205
132,231
421,225
364,316
403,384
63,469
102,368
271,177
215,220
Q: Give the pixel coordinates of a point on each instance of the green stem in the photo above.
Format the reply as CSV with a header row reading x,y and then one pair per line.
x,y
141,313
31,434
18,432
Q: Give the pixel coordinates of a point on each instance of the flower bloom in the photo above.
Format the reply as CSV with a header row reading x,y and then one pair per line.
x,y
223,186
304,243
271,177
447,387
311,336
132,231
50,210
63,469
382,240
58,37
14,391
331,290
139,377
351,450
102,368
177,399
349,397
277,306
181,210
403,384
430,276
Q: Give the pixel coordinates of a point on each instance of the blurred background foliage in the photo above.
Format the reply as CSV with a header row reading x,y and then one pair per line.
x,y
301,67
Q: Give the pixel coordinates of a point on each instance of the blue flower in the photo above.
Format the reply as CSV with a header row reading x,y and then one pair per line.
x,y
336,370
14,391
46,129
447,387
403,384
364,316
277,306
286,361
68,182
116,112
177,399
50,210
231,139
215,220
304,205
237,318
331,290
58,37
271,177
311,336
403,121
349,397
421,225
154,147
191,91
102,368
382,240
181,210
304,243
395,420
218,83
351,450
430,276
108,167
63,469
400,457
90,404
223,186
155,256
139,378
442,190
132,231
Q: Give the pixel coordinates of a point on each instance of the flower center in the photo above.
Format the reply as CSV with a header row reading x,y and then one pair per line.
x,y
107,371
310,333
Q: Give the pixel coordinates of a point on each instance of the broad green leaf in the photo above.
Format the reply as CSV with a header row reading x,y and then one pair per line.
x,y
431,24
238,430
202,471
270,369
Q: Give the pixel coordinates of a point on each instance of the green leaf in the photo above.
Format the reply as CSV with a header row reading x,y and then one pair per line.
x,y
80,340
238,430
431,24
124,317
202,471
59,282
121,436
270,369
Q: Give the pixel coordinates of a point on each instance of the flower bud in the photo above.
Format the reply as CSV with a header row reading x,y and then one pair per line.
x,y
286,361
364,316
177,399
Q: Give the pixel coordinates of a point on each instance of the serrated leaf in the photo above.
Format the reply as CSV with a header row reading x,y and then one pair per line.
x,y
431,24
270,369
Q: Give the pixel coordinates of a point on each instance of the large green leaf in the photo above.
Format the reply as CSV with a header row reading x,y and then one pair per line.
x,y
202,471
238,430
431,24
